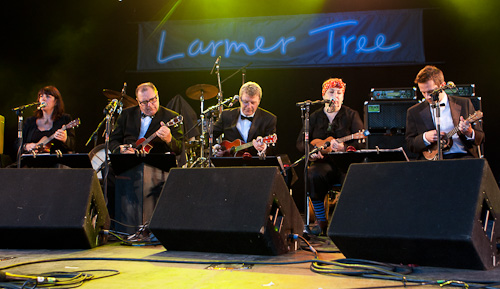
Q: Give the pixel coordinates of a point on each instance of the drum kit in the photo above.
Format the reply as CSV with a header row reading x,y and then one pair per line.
x,y
195,149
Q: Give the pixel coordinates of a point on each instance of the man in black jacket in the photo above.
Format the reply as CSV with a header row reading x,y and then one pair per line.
x,y
137,190
248,123
421,135
142,121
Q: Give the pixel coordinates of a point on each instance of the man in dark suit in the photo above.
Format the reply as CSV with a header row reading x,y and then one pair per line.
x,y
144,120
248,123
137,189
421,135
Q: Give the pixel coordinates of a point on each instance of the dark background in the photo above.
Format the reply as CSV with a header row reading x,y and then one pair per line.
x,y
83,47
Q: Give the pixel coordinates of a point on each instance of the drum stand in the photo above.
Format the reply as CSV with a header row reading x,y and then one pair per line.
x,y
201,161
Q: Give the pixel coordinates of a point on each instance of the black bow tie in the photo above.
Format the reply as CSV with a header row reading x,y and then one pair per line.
x,y
250,118
143,115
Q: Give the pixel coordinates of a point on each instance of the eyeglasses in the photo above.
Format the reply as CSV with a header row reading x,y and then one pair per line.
x,y
150,101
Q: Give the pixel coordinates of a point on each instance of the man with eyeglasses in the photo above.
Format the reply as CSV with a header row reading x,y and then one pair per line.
x,y
138,189
332,120
144,120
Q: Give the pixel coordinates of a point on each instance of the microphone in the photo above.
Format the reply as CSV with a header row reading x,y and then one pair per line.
x,y
41,105
22,107
308,102
448,85
234,101
110,108
217,62
124,89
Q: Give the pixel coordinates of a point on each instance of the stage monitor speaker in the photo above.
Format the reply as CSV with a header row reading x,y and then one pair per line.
x,y
239,210
51,209
440,213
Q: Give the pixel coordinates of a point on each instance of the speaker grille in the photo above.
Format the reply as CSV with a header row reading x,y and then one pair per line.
x,y
386,114
52,209
243,210
395,212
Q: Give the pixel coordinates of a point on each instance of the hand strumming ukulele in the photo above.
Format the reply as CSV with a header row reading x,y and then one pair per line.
x,y
237,147
43,146
143,144
446,141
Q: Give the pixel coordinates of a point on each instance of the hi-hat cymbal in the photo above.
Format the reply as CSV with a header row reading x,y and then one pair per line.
x,y
127,100
208,90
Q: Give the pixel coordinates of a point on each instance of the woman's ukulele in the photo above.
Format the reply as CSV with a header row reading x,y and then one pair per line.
x,y
43,145
143,144
361,135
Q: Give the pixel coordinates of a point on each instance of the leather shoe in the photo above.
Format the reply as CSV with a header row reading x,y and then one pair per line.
x,y
324,226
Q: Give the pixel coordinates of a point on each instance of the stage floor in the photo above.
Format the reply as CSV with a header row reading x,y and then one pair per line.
x,y
154,267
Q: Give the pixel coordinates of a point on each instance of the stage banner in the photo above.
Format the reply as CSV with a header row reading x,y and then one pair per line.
x,y
389,37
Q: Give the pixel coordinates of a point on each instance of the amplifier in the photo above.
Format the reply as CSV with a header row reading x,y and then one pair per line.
x,y
464,90
403,93
386,115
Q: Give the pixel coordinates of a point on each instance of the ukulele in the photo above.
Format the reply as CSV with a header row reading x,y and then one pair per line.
x,y
446,141
143,144
361,135
237,146
43,145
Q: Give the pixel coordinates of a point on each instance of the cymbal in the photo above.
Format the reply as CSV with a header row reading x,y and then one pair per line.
x,y
127,100
208,90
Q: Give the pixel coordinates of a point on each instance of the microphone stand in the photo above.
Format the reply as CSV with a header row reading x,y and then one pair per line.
x,y
209,112
19,111
107,132
243,74
219,95
305,108
437,120
19,136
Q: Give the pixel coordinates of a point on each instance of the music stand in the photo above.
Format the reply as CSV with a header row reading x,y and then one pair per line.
x,y
344,159
124,162
280,161
51,160
244,162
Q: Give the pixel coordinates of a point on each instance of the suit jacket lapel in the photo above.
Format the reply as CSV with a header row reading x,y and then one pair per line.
x,y
455,109
136,120
255,123
235,115
426,116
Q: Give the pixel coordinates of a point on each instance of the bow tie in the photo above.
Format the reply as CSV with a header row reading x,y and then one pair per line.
x,y
143,115
250,118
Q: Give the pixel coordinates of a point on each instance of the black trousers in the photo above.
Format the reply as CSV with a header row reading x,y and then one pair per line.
x,y
323,176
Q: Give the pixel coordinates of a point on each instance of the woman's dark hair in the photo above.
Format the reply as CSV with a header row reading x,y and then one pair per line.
x,y
59,106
